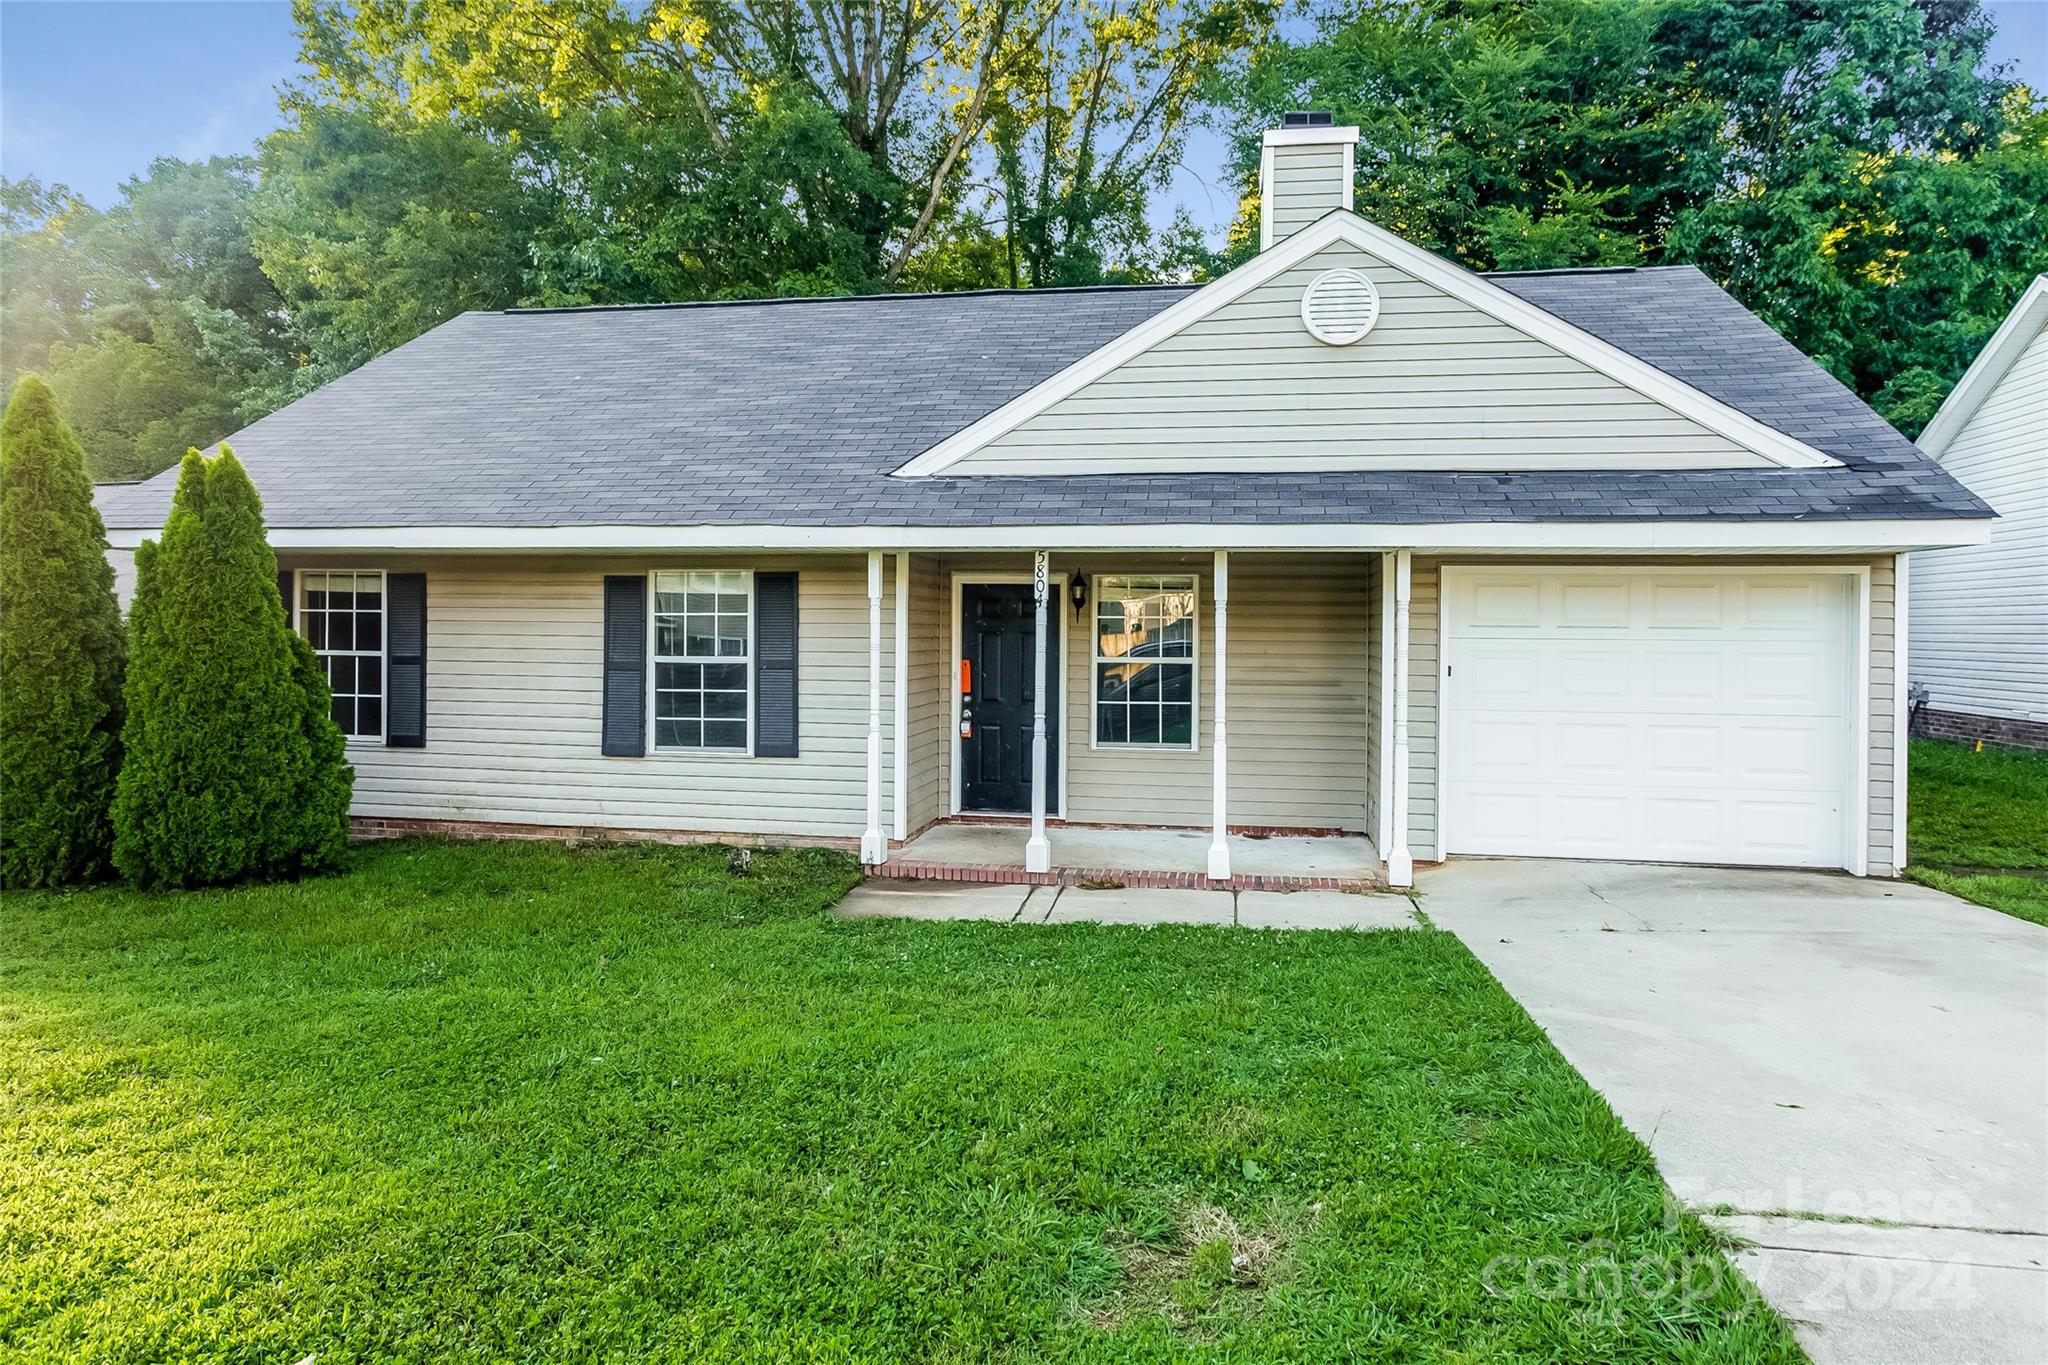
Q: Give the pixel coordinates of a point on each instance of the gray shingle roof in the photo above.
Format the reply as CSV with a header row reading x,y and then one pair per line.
x,y
794,413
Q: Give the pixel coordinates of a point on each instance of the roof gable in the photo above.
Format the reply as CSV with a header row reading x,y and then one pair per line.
x,y
2021,327
1457,374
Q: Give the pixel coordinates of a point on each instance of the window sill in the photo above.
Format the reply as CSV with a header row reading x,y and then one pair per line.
x,y
1099,747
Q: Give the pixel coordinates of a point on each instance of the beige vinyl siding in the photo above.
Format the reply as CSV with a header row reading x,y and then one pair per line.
x,y
1437,384
1979,635
1424,650
931,713
1308,181
1883,704
514,701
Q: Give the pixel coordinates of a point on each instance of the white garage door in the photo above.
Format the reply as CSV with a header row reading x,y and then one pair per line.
x,y
1667,716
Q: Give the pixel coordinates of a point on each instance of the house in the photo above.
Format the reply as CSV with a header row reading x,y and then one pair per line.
x,y
1979,642
1350,548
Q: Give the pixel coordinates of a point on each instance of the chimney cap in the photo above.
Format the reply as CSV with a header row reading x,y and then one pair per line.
x,y
1308,118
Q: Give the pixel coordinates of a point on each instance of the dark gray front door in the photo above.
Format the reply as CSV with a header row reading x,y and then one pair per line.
x,y
998,631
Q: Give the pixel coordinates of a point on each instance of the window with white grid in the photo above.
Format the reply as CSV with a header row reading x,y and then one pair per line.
x,y
1145,661
341,614
703,659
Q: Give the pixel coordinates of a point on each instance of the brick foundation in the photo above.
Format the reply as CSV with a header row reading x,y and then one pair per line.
x,y
392,827
1960,727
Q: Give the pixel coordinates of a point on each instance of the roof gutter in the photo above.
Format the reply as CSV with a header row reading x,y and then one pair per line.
x,y
1834,536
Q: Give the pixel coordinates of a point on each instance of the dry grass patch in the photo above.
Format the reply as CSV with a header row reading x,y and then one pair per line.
x,y
1210,1264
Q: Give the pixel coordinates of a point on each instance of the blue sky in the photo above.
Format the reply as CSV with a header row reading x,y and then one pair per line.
x,y
91,91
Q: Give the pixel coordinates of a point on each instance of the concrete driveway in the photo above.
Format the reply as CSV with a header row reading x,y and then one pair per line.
x,y
1852,1075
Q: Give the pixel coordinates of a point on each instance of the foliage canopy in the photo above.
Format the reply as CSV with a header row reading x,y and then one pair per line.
x,y
234,769
60,654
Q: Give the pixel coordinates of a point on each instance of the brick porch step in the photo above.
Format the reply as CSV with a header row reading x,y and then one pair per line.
x,y
1116,876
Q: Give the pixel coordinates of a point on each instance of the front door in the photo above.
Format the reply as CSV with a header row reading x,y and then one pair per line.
x,y
997,634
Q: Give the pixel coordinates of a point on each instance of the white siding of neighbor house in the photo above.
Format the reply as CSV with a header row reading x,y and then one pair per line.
x,y
1425,669
1308,181
514,701
124,576
1437,384
1979,636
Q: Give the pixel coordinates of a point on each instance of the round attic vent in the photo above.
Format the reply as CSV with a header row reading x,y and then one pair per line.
x,y
1340,306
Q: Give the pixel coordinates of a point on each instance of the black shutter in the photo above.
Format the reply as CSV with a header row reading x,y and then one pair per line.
x,y
284,593
405,660
775,665
625,665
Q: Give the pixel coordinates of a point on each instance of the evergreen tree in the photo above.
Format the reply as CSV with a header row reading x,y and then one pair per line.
x,y
60,653
234,769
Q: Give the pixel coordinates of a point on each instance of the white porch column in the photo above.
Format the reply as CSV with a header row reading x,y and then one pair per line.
x,y
1037,852
1901,709
1383,808
1219,754
874,845
899,786
1401,863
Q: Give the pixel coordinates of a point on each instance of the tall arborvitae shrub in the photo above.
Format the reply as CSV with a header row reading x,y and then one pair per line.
x,y
233,769
60,654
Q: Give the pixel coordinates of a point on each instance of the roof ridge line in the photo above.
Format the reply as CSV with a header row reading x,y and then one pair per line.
x,y
916,295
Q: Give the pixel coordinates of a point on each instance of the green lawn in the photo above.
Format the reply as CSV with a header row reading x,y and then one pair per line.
x,y
1977,826
537,1103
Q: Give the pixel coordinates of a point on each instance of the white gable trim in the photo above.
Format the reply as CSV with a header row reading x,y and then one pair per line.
x,y
2007,344
1617,364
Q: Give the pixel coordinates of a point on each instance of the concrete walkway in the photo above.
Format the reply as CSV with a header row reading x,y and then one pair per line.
x,y
1855,1072
933,900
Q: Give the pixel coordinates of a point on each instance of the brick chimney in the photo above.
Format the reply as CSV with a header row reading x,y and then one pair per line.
x,y
1304,172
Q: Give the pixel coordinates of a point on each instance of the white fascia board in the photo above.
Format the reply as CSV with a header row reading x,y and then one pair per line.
x,y
2012,338
1677,537
1346,135
1338,226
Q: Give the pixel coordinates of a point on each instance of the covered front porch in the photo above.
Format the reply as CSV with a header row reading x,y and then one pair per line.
x,y
1142,717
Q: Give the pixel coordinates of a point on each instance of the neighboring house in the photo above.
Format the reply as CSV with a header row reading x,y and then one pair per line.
x,y
1979,642
1582,563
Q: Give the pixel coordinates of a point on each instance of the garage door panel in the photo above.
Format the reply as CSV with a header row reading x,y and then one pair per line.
x,y
1499,674
1594,679
1786,606
1593,604
1681,827
1764,755
1679,679
1510,748
1789,679
1683,603
1663,716
1508,605
1679,752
